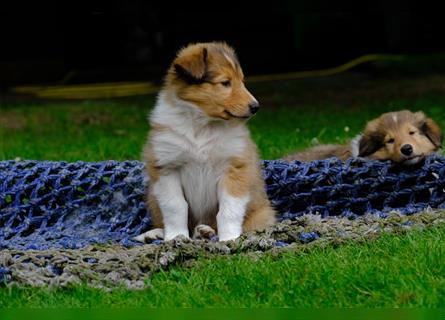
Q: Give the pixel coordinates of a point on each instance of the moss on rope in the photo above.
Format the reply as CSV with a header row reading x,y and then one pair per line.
x,y
113,266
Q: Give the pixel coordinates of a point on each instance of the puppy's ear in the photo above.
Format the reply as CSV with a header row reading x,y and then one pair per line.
x,y
432,130
192,66
369,143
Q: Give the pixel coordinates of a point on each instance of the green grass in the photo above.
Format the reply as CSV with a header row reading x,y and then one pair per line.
x,y
93,131
392,271
74,131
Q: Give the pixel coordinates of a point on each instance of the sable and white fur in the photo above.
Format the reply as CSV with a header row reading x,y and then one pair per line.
x,y
203,166
403,137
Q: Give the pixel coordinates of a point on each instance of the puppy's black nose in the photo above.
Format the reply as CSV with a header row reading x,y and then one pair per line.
x,y
406,149
254,107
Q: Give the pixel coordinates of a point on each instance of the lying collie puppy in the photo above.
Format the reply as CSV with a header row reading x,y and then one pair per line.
x,y
203,166
403,137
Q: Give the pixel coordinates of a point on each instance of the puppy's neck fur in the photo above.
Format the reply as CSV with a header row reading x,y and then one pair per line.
x,y
192,134
176,113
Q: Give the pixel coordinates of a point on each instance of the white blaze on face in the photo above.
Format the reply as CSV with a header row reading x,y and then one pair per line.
x,y
394,117
230,60
355,145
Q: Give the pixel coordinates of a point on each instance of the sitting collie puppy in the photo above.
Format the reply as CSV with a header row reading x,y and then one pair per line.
x,y
403,137
204,169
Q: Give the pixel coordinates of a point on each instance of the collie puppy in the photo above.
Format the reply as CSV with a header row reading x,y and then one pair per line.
x,y
205,174
403,137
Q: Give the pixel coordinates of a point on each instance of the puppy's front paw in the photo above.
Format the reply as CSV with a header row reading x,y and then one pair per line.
x,y
203,231
170,234
154,234
228,237
229,231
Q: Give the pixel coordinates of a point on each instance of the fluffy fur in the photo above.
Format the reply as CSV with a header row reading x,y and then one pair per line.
x,y
403,137
203,165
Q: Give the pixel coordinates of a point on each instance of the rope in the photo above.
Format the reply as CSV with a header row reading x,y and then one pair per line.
x,y
47,204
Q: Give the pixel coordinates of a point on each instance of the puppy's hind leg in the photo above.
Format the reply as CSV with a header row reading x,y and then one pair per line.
x,y
259,218
203,231
153,234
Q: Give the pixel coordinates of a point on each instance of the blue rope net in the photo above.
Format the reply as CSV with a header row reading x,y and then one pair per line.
x,y
70,205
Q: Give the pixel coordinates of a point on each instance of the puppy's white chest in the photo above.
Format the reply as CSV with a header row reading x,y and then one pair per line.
x,y
204,149
211,147
204,159
200,187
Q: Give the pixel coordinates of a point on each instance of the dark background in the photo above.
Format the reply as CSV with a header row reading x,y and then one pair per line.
x,y
119,40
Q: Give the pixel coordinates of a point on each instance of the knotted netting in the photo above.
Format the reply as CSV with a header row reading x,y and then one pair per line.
x,y
46,204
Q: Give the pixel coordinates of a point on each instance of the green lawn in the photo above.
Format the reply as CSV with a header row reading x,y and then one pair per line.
x,y
293,113
406,270
393,271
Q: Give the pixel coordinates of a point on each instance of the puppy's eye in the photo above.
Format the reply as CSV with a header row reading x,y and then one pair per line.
x,y
412,132
226,83
390,141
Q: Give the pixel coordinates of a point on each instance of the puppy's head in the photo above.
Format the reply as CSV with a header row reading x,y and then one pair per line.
x,y
403,137
209,76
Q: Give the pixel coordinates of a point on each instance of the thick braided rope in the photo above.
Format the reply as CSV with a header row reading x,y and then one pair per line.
x,y
70,205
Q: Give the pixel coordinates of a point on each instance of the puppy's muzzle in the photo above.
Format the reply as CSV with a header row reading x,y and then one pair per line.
x,y
406,149
254,107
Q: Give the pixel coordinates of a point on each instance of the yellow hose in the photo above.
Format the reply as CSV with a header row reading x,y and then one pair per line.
x,y
126,89
324,72
86,91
